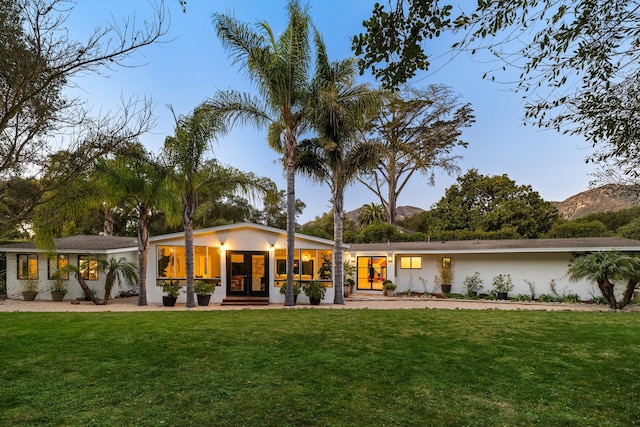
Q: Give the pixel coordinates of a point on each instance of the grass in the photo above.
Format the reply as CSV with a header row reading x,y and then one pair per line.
x,y
320,368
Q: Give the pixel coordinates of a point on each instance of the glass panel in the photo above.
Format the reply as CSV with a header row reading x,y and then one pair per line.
x,y
214,263
324,269
180,263
201,262
372,272
405,262
88,267
165,262
258,279
56,263
27,266
237,272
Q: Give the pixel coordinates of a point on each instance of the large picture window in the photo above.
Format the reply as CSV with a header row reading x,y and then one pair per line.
x,y
27,266
308,265
172,262
88,266
56,263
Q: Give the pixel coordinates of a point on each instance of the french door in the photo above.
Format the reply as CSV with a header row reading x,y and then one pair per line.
x,y
247,273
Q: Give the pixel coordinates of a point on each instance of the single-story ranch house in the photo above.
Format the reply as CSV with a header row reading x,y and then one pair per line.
x,y
248,261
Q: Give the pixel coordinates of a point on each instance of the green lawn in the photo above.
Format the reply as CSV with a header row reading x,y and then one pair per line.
x,y
320,367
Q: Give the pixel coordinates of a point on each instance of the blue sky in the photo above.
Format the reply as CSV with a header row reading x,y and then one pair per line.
x,y
191,65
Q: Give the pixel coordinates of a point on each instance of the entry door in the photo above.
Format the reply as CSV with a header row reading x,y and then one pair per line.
x,y
247,274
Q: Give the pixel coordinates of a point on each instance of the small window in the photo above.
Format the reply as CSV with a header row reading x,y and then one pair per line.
x,y
88,266
411,262
55,264
446,262
27,266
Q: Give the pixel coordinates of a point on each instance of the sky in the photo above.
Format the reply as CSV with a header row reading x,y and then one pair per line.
x,y
191,65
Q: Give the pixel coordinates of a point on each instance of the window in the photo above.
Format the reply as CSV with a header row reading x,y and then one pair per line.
x,y
55,264
27,266
411,262
88,266
172,262
371,272
308,264
446,262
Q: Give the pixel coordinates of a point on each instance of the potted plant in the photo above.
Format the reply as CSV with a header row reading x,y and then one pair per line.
x,y
502,285
30,289
445,278
203,291
296,291
172,288
473,284
315,291
389,288
58,288
349,284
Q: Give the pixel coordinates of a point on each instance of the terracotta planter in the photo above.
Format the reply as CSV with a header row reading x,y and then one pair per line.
x,y
168,301
203,300
57,296
29,295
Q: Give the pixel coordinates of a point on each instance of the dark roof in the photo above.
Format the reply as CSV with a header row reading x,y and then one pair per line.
x,y
81,243
525,245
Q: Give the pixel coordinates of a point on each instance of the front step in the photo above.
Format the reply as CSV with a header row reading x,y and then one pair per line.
x,y
245,301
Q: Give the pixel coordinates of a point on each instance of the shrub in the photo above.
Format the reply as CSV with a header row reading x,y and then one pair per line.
x,y
204,288
473,283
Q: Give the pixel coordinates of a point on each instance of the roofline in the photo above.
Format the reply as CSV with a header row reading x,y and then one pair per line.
x,y
238,225
72,251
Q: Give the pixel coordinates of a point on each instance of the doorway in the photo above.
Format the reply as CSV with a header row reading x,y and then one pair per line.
x,y
247,273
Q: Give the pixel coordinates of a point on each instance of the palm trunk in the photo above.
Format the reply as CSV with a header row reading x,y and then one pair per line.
x,y
143,252
187,219
290,153
628,293
606,288
87,291
338,276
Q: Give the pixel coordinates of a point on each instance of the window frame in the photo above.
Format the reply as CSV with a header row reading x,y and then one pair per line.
x,y
91,265
51,273
411,259
19,270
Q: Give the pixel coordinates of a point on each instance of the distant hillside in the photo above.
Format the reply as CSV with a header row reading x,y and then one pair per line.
x,y
402,212
608,198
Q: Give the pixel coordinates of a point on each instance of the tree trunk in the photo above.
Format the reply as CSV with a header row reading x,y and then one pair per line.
x,y
143,251
87,290
187,220
391,199
628,293
338,276
290,156
107,226
606,287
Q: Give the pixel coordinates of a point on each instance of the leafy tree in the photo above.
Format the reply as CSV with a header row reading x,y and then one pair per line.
x,y
370,214
339,110
279,67
417,132
37,63
605,268
572,229
630,230
478,202
578,59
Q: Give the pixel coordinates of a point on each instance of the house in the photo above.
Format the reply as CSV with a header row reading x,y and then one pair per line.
x,y
26,263
416,266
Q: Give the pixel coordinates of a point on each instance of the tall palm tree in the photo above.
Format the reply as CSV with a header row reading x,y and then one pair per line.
x,y
604,268
340,108
279,68
141,181
192,172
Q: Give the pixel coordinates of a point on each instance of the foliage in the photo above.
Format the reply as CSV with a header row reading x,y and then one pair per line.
x,y
523,298
473,283
630,230
547,298
349,270
314,289
349,282
30,285
579,228
296,289
370,214
202,287
445,275
325,267
59,284
492,204
605,268
416,133
571,298
3,287
46,134
388,284
171,287
502,283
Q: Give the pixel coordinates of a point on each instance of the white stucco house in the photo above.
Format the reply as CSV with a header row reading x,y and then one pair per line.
x,y
247,262
415,265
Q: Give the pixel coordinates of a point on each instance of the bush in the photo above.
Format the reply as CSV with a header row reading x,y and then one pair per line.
x,y
204,288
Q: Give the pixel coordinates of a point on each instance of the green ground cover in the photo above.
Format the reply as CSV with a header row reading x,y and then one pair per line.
x,y
320,367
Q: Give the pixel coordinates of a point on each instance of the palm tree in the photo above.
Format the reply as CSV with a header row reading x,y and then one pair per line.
x,y
340,108
141,180
192,172
604,268
279,68
370,214
117,270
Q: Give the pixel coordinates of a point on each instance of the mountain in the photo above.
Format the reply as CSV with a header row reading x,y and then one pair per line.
x,y
608,198
402,212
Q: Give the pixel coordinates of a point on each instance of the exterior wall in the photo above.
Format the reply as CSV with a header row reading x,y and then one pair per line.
x,y
539,268
14,286
234,239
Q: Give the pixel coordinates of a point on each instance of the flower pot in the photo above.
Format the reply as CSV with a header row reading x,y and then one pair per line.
x,y
168,301
57,296
503,295
446,289
29,295
314,301
347,291
203,300
390,292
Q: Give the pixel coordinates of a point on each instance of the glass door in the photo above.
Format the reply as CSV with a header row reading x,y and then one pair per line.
x,y
247,274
